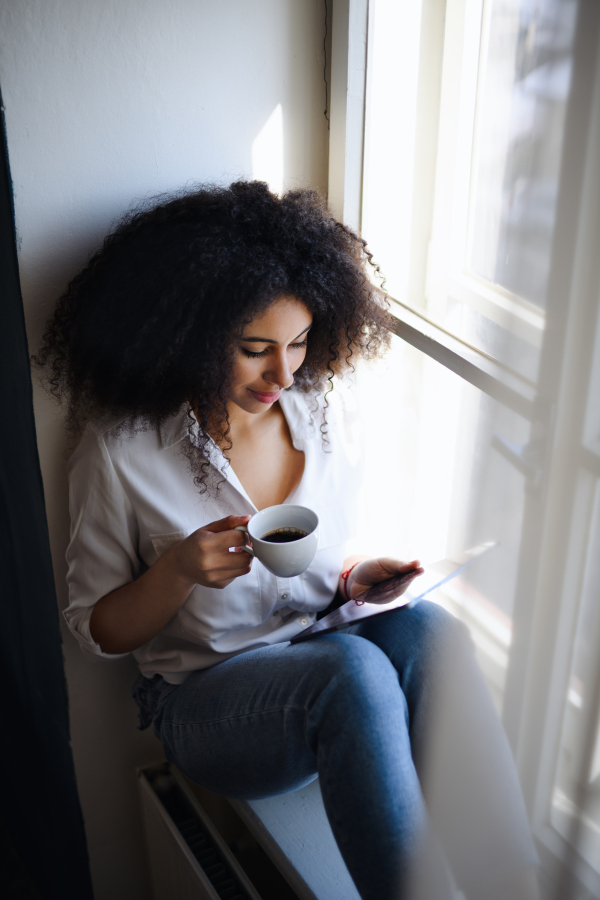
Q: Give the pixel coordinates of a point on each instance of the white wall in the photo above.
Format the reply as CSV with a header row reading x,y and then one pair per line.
x,y
109,101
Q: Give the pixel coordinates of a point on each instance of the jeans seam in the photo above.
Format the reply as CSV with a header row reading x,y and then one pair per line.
x,y
234,718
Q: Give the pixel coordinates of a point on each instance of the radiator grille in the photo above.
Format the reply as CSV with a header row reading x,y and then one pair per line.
x,y
174,821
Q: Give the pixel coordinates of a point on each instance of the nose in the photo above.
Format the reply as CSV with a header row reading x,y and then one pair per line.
x,y
279,372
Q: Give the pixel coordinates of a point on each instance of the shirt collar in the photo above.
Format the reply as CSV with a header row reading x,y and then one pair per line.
x,y
184,424
177,427
299,415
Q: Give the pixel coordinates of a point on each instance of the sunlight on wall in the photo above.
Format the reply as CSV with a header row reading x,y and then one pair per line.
x,y
267,152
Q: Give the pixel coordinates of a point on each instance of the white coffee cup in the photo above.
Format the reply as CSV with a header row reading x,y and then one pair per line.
x,y
283,559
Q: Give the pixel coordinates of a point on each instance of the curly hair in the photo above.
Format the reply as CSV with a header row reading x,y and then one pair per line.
x,y
148,323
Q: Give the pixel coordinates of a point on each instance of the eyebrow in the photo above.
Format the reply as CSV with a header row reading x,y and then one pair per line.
x,y
262,340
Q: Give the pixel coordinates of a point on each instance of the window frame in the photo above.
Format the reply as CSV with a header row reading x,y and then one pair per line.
x,y
545,612
349,89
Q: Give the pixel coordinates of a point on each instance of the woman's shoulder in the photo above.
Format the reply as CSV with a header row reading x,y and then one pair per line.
x,y
112,438
104,433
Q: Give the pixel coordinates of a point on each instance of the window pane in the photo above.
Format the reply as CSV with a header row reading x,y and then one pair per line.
x,y
525,77
446,486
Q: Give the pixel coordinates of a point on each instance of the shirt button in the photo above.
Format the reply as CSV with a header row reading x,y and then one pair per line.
x,y
304,621
284,596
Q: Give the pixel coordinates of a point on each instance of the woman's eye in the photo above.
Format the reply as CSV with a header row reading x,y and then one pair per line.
x,y
253,353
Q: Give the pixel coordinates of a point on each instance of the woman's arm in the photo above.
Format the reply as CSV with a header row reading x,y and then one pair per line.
x,y
132,615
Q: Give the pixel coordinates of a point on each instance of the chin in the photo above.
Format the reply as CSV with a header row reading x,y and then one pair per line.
x,y
249,405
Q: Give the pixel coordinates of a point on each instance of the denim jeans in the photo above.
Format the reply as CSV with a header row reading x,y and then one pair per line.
x,y
394,717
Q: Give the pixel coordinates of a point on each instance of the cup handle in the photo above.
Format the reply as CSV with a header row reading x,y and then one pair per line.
x,y
243,528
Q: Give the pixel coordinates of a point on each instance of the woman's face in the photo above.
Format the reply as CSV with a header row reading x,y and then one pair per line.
x,y
271,348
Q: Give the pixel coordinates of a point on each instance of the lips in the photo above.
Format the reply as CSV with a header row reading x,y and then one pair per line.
x,y
266,397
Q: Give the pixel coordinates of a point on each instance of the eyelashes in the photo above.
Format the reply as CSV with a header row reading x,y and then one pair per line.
x,y
254,355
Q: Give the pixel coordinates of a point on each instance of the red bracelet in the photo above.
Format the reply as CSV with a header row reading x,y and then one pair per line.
x,y
344,577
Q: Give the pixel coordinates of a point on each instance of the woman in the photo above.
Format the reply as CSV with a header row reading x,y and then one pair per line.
x,y
204,346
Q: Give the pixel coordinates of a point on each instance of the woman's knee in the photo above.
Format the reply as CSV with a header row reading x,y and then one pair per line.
x,y
360,691
359,671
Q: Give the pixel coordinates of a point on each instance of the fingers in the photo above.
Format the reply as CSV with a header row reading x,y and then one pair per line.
x,y
415,567
222,575
231,558
227,524
227,539
406,567
396,565
216,555
230,572
401,566
225,535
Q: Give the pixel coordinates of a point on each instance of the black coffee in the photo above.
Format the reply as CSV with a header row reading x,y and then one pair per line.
x,y
284,537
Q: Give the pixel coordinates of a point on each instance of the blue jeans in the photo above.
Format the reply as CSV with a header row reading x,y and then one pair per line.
x,y
394,717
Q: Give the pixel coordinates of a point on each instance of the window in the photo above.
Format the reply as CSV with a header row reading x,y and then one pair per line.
x,y
471,139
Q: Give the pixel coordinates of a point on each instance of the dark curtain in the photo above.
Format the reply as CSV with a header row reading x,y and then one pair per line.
x,y
39,806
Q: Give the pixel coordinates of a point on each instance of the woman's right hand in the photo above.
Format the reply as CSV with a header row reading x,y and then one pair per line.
x,y
205,557
133,614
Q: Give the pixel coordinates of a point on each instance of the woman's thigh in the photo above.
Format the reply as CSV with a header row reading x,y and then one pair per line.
x,y
258,724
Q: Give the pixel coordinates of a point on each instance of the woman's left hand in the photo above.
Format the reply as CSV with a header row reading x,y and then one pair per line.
x,y
373,571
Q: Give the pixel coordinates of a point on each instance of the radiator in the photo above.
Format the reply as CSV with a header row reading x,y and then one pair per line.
x,y
188,858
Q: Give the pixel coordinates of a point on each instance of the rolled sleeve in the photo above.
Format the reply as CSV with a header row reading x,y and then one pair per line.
x,y
102,553
78,620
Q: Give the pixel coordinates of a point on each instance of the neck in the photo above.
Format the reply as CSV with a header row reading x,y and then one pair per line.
x,y
244,426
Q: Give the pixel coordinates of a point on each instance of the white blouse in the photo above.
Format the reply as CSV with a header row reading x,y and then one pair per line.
x,y
132,496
